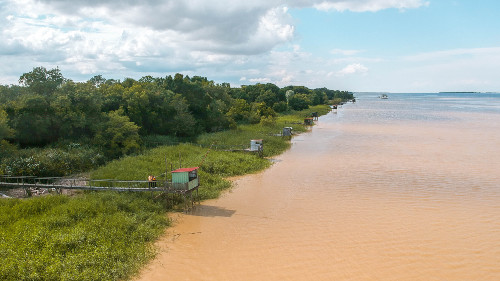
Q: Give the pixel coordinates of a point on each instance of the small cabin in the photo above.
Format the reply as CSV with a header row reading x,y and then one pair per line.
x,y
314,115
308,121
185,178
256,145
287,131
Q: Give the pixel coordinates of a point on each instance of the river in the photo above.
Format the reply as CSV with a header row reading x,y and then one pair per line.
x,y
406,188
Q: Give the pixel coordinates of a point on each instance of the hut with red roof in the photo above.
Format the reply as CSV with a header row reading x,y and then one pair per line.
x,y
185,178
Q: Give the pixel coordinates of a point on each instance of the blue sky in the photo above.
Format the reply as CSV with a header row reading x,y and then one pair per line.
x,y
355,45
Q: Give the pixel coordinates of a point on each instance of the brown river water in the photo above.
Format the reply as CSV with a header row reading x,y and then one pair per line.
x,y
401,189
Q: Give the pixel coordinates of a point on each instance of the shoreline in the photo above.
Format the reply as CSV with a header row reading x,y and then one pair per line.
x,y
134,222
178,223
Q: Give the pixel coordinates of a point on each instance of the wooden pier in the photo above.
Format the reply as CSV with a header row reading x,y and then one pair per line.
x,y
32,185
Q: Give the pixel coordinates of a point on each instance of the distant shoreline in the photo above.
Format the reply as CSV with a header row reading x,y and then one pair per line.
x,y
460,92
447,92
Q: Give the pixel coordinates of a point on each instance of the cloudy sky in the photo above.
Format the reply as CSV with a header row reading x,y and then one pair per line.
x,y
355,45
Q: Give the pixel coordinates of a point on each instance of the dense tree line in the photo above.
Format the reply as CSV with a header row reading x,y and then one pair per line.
x,y
112,116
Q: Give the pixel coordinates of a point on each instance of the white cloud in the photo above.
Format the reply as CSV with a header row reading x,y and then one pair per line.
x,y
260,80
352,69
157,37
369,5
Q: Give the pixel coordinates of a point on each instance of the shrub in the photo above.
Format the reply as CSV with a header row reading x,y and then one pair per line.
x,y
280,107
52,161
267,121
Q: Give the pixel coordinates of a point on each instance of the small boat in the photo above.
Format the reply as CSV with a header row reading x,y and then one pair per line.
x,y
383,96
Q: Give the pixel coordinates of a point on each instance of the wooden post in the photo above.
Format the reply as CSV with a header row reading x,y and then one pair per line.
x,y
166,172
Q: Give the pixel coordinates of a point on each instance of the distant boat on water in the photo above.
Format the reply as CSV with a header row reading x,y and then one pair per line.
x,y
383,96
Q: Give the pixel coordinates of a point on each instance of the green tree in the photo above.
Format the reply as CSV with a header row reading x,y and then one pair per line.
x,y
97,80
318,97
5,130
42,81
299,102
147,79
280,106
262,109
344,95
252,92
183,123
33,120
117,135
112,95
217,119
128,82
137,107
77,107
219,105
239,111
269,97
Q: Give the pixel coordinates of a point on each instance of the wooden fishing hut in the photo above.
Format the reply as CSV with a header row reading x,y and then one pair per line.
x,y
287,131
185,179
314,115
184,182
256,145
308,121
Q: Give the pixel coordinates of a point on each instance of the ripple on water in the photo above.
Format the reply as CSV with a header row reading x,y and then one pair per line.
x,y
369,194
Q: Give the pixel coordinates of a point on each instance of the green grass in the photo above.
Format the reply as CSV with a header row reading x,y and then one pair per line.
x,y
109,235
272,145
98,236
216,166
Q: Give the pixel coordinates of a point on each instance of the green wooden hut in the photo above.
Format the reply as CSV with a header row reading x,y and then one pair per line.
x,y
308,121
185,178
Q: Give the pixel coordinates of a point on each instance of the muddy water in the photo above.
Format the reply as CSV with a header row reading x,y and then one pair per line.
x,y
400,189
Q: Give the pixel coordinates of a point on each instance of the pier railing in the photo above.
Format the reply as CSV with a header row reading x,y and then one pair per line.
x,y
58,183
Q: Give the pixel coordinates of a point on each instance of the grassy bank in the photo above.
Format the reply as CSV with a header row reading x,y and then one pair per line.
x,y
108,235
98,236
272,145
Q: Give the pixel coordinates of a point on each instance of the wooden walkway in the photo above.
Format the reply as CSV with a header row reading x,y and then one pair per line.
x,y
77,183
29,183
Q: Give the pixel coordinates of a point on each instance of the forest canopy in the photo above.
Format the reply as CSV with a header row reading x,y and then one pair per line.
x,y
113,117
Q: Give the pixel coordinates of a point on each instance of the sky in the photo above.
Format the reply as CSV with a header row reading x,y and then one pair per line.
x,y
353,45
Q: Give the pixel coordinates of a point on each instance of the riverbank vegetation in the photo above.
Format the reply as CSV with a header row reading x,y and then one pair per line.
x,y
111,118
210,153
125,130
109,235
96,236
